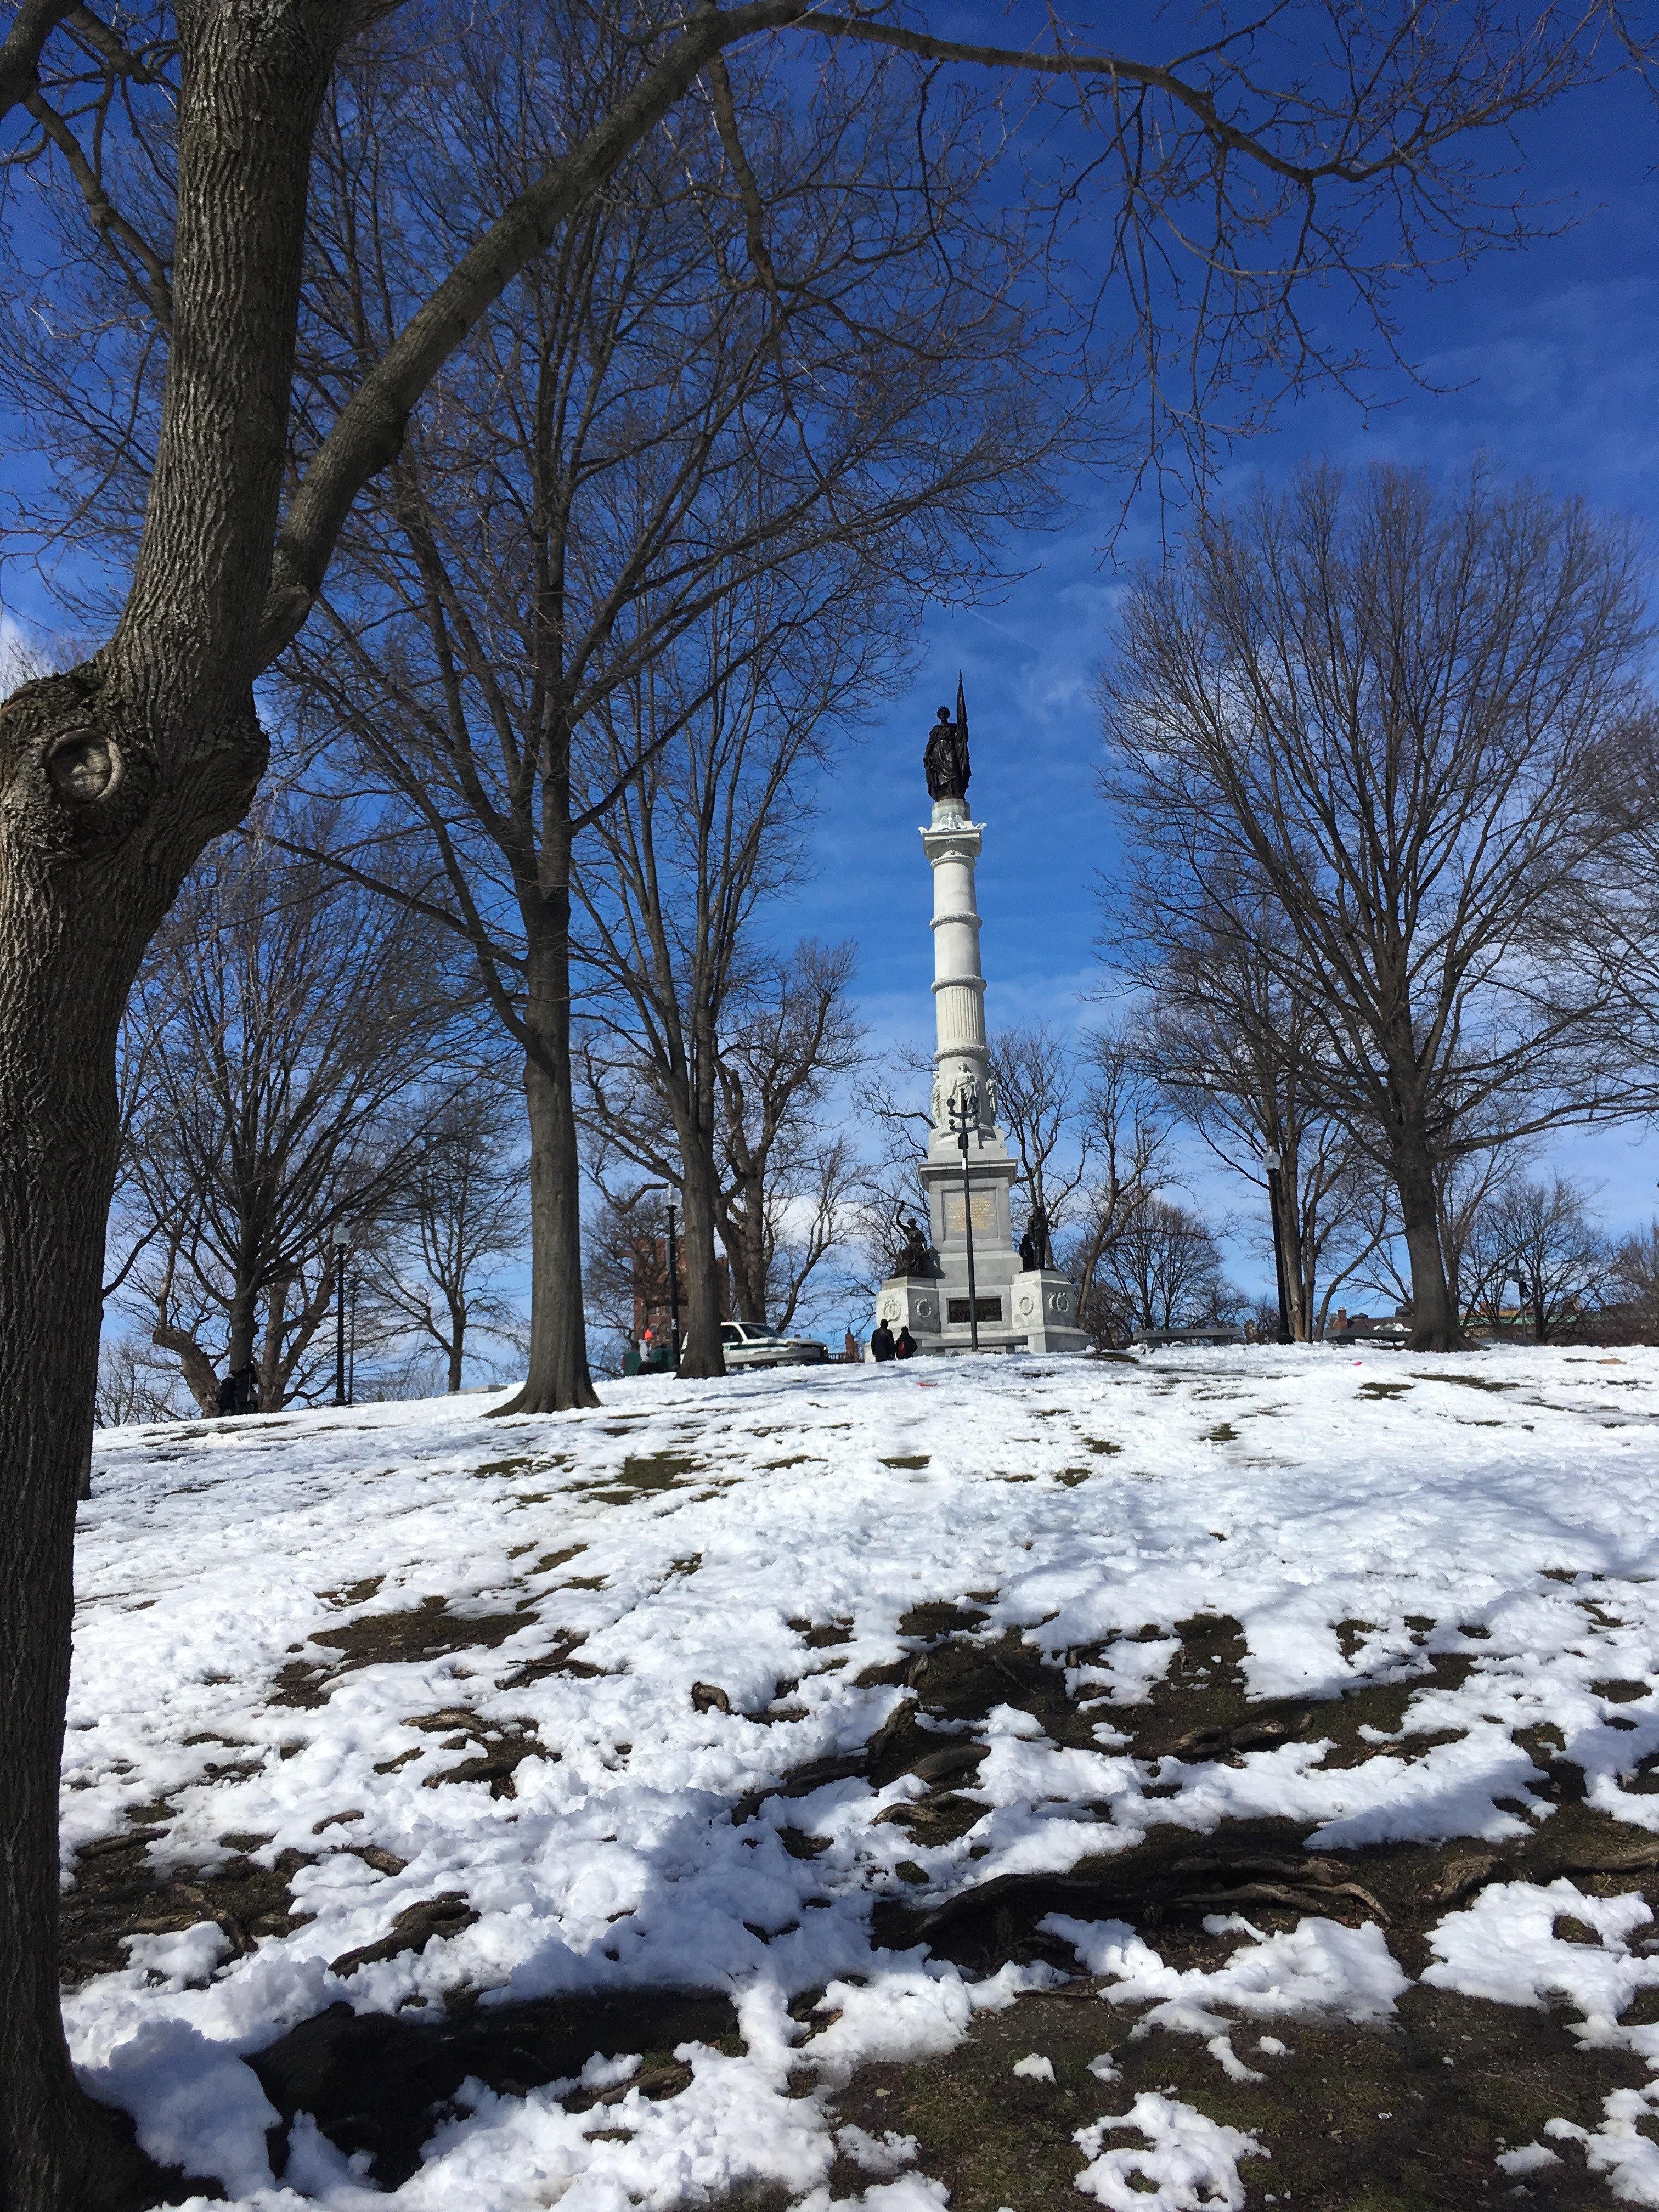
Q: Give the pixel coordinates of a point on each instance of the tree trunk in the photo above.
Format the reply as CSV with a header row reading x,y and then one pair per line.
x,y
558,1378
1434,1320
272,1393
700,1356
457,1345
742,1225
56,1175
197,1368
88,862
244,1320
1299,1289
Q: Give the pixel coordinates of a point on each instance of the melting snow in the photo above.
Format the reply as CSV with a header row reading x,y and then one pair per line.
x,y
690,1535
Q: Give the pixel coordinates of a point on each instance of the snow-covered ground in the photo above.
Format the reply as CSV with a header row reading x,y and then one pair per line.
x,y
637,1624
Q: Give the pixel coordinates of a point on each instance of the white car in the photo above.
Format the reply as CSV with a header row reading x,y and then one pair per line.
x,y
745,1344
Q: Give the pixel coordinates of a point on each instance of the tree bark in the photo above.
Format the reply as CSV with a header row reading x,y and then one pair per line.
x,y
557,1379
57,1170
1434,1322
112,778
700,1356
743,1232
88,863
271,1391
195,1365
1298,1290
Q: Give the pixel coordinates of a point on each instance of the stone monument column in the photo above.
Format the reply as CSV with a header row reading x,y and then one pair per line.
x,y
961,1062
1011,1307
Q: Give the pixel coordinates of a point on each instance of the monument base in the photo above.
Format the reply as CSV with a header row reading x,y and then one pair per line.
x,y
1034,1312
910,1301
1044,1304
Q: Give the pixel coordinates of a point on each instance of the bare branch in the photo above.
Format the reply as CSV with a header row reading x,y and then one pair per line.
x,y
1117,69
371,426
106,219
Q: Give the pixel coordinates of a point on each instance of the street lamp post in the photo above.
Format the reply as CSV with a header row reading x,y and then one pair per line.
x,y
1275,1165
351,1345
963,1110
652,1190
340,1324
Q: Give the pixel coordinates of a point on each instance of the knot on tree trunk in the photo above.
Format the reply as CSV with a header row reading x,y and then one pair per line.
x,y
83,766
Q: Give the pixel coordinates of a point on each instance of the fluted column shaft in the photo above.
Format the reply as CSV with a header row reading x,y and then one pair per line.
x,y
951,842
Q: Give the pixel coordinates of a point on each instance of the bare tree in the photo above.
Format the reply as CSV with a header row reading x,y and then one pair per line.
x,y
1468,1194
627,1247
118,772
675,885
1237,1051
888,1190
786,1184
1540,1236
134,1384
1128,1136
1162,1271
1037,1076
622,531
1633,1286
1394,711
456,1213
283,1020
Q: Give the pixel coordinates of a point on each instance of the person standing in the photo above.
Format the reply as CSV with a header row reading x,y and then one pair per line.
x,y
881,1341
905,1345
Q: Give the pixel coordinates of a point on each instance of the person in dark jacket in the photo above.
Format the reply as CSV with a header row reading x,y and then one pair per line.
x,y
881,1341
244,1383
228,1395
905,1345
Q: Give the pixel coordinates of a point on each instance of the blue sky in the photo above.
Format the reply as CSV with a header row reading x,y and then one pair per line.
x,y
1547,360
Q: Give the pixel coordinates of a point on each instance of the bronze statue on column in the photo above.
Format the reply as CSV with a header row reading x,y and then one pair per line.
x,y
946,762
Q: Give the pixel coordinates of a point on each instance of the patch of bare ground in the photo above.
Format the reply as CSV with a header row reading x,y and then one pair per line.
x,y
1358,2120
644,1477
498,1749
429,1631
1406,2120
118,1892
